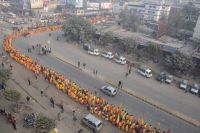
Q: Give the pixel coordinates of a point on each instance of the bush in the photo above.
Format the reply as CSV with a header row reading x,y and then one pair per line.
x,y
44,124
12,95
5,74
178,63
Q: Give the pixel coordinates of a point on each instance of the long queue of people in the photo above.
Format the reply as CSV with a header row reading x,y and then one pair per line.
x,y
118,116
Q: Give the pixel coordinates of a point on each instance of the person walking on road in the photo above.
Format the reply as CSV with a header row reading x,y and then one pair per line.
x,y
28,99
126,74
96,72
11,67
2,64
84,65
14,123
79,64
129,71
52,102
59,116
120,84
29,82
42,92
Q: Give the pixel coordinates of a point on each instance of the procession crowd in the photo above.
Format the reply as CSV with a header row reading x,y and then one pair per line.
x,y
118,116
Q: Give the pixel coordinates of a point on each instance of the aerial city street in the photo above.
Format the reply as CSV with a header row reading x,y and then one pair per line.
x,y
107,66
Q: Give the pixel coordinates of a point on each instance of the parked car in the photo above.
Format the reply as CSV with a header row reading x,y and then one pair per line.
x,y
92,122
145,72
120,59
165,77
108,55
86,47
109,90
183,84
168,79
93,51
161,77
194,89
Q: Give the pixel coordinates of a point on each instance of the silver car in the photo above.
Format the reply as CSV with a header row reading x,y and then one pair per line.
x,y
92,122
109,90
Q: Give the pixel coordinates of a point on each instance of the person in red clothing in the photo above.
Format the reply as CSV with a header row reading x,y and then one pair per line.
x,y
168,131
14,123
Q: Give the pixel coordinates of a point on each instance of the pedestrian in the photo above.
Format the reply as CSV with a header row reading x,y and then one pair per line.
x,y
62,108
28,99
84,65
33,47
59,116
119,84
74,119
126,74
79,64
129,71
52,102
29,82
96,72
11,67
2,64
73,112
42,92
3,85
14,123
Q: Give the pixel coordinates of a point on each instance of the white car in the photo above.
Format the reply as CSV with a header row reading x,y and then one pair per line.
x,y
121,60
145,72
92,122
109,90
169,79
183,84
108,55
195,89
93,51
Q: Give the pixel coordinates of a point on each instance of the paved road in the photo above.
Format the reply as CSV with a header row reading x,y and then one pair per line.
x,y
168,95
134,106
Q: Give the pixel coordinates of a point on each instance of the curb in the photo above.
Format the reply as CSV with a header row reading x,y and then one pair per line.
x,y
140,97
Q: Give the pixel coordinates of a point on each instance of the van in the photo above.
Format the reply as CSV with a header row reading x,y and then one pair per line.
x,y
92,122
145,72
120,59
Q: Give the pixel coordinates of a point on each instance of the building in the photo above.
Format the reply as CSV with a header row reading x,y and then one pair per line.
x,y
150,11
196,34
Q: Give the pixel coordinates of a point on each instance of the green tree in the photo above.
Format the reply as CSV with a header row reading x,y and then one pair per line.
x,y
128,45
105,39
153,51
178,63
5,74
129,20
78,29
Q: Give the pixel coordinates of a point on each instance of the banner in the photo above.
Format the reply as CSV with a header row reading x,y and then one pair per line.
x,y
106,5
92,6
36,3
